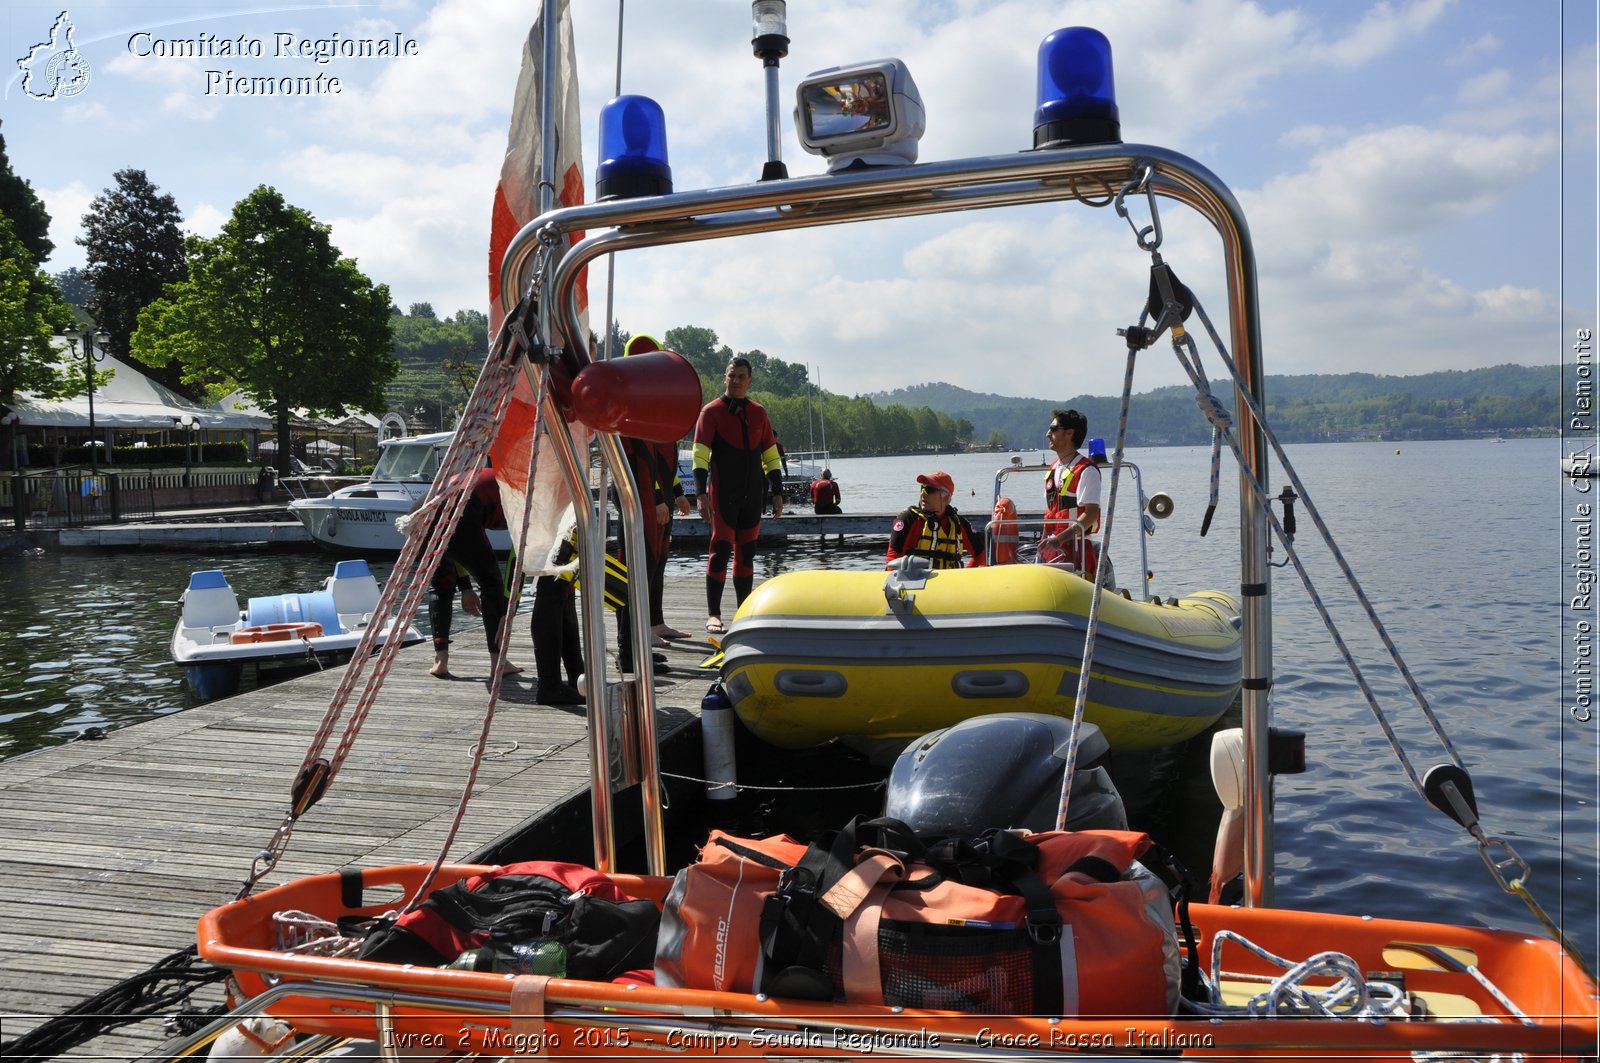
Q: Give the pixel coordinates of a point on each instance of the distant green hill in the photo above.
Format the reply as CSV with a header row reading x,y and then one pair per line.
x,y
1502,400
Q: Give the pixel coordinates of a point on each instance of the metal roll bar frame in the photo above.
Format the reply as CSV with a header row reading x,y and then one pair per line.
x,y
1089,174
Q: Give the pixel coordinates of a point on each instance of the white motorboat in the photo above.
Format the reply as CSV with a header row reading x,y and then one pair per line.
x,y
360,519
214,639
1580,464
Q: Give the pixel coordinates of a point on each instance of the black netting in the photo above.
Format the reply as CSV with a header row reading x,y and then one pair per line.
x,y
956,968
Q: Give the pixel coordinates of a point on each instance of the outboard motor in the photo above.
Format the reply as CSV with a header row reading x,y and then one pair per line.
x,y
1002,771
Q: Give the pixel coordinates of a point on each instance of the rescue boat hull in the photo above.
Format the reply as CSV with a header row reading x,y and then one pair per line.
x,y
816,656
1449,969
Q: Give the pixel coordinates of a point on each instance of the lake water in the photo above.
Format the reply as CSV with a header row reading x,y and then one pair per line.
x,y
1464,548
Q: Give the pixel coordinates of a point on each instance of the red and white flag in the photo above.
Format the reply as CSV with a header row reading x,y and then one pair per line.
x,y
516,201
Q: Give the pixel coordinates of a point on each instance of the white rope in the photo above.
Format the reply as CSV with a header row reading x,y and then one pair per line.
x,y
1092,628
1349,996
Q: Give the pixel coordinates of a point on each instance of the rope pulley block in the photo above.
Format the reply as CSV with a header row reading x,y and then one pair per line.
x,y
309,786
1449,789
1167,293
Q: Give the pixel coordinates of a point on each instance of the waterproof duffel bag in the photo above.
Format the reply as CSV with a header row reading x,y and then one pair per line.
x,y
1057,923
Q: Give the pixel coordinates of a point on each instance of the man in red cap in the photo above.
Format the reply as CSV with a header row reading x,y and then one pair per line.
x,y
933,529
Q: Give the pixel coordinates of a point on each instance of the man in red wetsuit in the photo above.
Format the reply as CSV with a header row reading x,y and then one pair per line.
x,y
825,495
736,467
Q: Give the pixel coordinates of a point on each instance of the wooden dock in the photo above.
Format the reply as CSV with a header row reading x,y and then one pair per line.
x,y
110,850
198,535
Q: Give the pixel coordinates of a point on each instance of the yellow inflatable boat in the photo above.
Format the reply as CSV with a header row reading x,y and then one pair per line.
x,y
816,656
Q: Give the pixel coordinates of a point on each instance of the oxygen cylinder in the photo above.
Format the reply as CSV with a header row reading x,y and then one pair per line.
x,y
716,735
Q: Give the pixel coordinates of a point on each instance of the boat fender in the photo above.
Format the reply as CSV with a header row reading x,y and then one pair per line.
x,y
258,1037
716,734
654,396
1227,776
1003,531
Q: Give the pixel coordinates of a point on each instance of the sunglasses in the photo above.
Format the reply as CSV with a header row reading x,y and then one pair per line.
x,y
1054,428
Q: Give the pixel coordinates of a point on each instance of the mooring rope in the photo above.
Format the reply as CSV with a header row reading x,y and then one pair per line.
x,y
426,541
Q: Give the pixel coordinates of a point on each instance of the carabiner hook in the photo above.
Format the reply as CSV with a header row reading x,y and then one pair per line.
x,y
1141,182
1497,867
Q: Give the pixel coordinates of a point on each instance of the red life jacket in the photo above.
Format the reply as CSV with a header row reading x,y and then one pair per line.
x,y
1061,502
1061,509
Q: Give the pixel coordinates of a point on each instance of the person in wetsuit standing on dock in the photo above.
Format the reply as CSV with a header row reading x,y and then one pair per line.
x,y
736,468
470,559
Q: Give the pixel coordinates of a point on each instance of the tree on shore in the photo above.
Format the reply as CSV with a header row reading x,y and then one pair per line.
x,y
273,309
134,250
31,312
30,221
77,291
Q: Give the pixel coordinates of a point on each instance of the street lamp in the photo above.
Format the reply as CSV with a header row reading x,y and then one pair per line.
x,y
186,422
98,339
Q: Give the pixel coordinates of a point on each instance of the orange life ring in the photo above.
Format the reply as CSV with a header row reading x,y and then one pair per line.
x,y
304,629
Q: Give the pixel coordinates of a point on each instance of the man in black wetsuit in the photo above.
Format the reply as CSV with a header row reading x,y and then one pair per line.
x,y
469,558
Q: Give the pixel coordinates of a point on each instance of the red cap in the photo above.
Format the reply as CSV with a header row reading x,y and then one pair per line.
x,y
940,480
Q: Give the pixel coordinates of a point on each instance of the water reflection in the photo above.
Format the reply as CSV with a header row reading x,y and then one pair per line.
x,y
84,637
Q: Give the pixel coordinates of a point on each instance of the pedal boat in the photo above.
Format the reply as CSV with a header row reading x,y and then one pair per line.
x,y
816,656
214,640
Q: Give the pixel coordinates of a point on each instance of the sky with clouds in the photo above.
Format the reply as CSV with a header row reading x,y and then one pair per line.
x,y
1418,175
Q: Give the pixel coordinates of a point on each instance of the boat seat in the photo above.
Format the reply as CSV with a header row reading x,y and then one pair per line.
x,y
209,602
355,590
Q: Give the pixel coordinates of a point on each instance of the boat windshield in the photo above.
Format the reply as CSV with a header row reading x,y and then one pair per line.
x,y
409,463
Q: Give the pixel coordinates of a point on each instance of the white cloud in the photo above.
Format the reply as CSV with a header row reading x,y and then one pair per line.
x,y
1312,136
1346,203
67,206
1472,51
1382,27
1487,87
1389,182
206,219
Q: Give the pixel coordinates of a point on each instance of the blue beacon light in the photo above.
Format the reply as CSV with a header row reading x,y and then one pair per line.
x,y
1077,103
633,150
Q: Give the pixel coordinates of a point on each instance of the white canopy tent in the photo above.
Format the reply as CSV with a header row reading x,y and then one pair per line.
x,y
128,400
355,421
